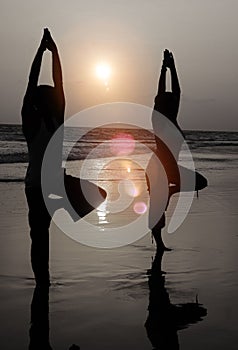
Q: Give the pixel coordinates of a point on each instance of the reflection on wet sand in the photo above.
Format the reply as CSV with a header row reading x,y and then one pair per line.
x,y
165,319
39,329
163,322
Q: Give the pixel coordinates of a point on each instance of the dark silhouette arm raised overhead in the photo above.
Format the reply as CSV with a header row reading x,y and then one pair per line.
x,y
167,102
56,75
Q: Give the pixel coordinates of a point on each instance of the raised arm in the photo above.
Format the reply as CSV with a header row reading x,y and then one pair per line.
x,y
174,77
56,66
162,79
56,71
30,124
35,68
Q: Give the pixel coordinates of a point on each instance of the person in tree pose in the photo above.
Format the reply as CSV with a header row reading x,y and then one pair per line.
x,y
167,104
42,114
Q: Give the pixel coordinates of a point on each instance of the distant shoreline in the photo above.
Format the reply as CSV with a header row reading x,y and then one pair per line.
x,y
89,127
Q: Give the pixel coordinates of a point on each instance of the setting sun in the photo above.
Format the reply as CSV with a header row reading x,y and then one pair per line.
x,y
103,71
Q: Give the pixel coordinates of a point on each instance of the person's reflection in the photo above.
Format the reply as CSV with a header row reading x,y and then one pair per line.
x,y
165,319
39,329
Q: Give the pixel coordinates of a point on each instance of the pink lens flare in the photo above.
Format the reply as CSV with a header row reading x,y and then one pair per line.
x,y
140,208
122,144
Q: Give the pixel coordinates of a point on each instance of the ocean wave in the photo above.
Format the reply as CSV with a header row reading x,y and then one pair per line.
x,y
12,180
14,149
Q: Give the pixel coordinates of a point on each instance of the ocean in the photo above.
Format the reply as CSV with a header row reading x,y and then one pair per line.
x,y
211,150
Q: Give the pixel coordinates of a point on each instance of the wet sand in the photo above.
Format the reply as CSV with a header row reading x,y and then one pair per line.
x,y
99,298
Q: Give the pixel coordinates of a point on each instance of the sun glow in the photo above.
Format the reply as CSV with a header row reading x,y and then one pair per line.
x,y
103,72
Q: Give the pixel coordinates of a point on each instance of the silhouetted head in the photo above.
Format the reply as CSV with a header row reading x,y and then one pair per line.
x,y
167,103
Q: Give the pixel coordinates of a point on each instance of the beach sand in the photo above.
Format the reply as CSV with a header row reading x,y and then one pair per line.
x,y
99,298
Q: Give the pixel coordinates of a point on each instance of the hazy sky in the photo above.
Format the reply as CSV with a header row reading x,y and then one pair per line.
x,y
130,35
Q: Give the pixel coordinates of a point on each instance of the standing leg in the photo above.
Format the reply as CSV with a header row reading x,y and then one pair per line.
x,y
157,235
39,221
157,229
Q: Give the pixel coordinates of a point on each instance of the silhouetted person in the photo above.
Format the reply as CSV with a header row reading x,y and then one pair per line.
x,y
39,329
167,103
165,319
42,114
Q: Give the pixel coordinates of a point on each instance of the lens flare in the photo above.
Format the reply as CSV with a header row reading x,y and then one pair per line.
x,y
140,208
131,189
122,144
